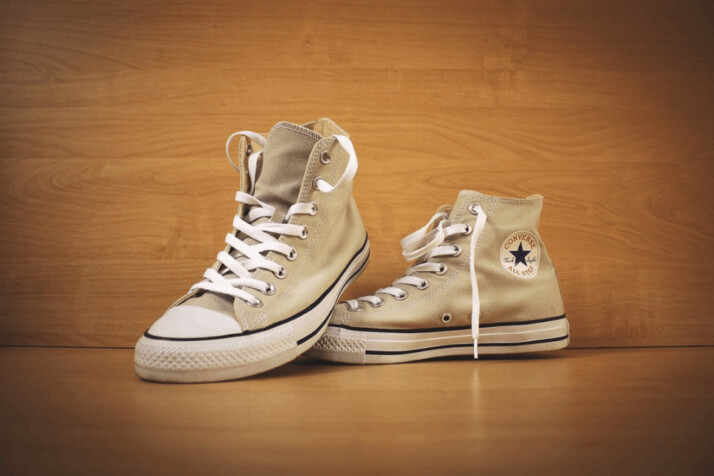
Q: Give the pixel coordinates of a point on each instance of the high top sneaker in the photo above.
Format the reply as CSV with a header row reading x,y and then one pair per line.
x,y
482,282
297,242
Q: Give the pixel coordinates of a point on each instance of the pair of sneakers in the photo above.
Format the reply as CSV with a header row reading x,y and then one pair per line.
x,y
481,280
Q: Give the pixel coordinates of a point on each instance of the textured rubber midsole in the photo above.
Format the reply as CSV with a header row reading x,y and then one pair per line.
x,y
243,355
355,345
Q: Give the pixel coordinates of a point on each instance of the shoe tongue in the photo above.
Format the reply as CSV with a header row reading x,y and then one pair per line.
x,y
285,157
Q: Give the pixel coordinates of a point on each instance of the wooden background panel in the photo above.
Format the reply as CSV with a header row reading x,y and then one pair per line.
x,y
116,196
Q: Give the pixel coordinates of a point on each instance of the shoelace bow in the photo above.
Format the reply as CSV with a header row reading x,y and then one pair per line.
x,y
427,244
236,275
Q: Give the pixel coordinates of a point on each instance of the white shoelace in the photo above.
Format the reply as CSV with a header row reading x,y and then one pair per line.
x,y
250,257
425,244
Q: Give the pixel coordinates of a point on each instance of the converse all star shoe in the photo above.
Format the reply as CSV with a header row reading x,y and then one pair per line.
x,y
297,242
481,282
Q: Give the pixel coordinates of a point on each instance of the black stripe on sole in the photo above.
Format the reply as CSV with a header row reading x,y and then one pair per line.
x,y
275,324
356,273
414,351
446,329
507,344
314,333
535,321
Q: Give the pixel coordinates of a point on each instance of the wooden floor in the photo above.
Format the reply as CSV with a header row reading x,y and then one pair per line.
x,y
83,411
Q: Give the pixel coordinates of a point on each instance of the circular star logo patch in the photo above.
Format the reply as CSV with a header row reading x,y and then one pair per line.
x,y
520,254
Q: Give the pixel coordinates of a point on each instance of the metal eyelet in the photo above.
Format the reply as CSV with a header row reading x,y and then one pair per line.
x,y
423,285
314,183
248,149
303,234
269,290
325,157
402,296
446,318
473,208
292,255
468,230
313,212
379,304
282,272
442,269
457,251
354,309
256,303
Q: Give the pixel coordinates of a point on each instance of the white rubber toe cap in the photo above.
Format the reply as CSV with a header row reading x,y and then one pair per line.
x,y
185,322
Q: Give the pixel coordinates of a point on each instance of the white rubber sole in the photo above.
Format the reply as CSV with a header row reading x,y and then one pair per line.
x,y
234,357
384,346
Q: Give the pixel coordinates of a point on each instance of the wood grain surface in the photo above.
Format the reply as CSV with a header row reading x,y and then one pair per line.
x,y
115,194
599,411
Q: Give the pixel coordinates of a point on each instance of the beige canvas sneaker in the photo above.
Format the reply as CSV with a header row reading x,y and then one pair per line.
x,y
297,242
481,282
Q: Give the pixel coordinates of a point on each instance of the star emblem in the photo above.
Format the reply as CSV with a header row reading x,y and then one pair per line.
x,y
520,255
